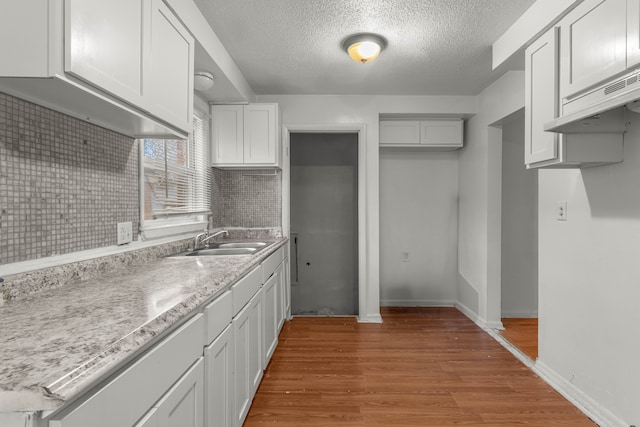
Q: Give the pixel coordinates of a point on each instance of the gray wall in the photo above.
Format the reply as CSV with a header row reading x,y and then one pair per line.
x,y
324,195
590,279
519,226
418,216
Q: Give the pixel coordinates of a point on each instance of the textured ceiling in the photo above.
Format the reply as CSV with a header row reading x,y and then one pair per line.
x,y
435,47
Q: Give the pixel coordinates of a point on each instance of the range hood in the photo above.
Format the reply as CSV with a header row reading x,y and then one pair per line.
x,y
601,110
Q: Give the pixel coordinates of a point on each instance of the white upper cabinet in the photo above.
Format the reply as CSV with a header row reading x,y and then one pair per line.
x,y
541,98
168,77
126,65
260,133
440,134
103,45
227,134
593,44
399,132
633,33
245,135
550,149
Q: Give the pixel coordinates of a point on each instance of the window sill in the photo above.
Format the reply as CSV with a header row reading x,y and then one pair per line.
x,y
57,260
152,232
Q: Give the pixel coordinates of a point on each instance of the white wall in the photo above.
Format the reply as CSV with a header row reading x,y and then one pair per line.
x,y
480,187
590,281
324,110
519,280
418,216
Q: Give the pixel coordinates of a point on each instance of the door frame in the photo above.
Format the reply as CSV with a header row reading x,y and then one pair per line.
x,y
360,130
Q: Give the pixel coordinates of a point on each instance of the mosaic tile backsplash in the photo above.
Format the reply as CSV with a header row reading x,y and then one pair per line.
x,y
251,198
64,183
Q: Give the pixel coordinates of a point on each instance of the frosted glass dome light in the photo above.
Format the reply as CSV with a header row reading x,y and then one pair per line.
x,y
364,47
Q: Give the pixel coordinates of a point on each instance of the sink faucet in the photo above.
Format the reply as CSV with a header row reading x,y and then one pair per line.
x,y
217,233
196,243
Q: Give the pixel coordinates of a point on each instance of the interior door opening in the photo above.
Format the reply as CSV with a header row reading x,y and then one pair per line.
x,y
324,224
519,254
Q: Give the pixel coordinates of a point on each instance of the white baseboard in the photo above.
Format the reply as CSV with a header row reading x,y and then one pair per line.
x,y
592,409
469,313
416,303
520,315
512,349
371,318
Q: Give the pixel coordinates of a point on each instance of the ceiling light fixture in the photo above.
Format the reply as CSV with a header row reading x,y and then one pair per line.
x,y
202,80
364,47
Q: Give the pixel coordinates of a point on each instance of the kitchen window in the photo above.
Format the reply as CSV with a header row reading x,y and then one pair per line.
x,y
176,182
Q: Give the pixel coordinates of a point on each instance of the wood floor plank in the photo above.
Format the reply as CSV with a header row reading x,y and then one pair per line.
x,y
420,367
522,333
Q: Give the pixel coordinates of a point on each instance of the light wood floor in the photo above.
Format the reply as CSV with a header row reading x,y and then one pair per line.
x,y
421,367
522,333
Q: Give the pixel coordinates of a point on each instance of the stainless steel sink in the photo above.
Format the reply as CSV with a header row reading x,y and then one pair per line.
x,y
223,251
256,245
226,248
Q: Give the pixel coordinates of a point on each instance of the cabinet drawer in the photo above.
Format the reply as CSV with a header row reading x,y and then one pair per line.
x,y
217,316
245,288
132,393
270,264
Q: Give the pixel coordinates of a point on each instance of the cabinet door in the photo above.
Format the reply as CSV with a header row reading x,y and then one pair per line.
x,y
168,77
270,320
633,33
183,405
256,342
441,133
104,45
148,379
227,134
219,381
149,420
260,134
280,303
541,98
593,44
399,132
25,48
286,272
241,382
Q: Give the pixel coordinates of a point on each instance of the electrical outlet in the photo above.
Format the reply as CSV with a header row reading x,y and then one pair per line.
x,y
125,232
405,256
561,211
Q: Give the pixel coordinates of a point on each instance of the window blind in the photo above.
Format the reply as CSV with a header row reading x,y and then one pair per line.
x,y
177,177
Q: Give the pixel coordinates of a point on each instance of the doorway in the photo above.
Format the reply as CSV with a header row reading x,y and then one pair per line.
x,y
519,241
324,223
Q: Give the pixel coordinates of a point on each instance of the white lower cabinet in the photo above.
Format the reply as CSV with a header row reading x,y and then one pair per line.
x,y
271,296
207,372
142,386
219,360
280,298
256,344
247,329
286,285
183,405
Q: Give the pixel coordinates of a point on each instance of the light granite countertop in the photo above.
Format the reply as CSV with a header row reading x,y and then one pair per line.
x,y
58,342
